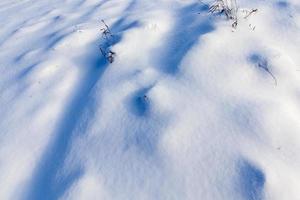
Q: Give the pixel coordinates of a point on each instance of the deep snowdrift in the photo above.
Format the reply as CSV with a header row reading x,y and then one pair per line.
x,y
191,108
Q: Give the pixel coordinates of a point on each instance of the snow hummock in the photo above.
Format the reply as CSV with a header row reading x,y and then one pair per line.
x,y
191,108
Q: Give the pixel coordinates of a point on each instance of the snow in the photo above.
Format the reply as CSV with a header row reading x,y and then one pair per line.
x,y
191,108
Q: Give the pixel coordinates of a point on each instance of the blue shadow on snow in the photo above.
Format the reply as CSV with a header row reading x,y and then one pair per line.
x,y
190,26
252,181
45,183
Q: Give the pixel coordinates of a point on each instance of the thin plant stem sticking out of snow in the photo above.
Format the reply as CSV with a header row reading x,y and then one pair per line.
x,y
249,13
106,32
262,63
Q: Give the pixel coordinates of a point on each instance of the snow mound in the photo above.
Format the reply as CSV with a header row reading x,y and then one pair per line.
x,y
190,107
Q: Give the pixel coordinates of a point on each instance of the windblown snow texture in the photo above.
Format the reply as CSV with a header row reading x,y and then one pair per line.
x,y
191,108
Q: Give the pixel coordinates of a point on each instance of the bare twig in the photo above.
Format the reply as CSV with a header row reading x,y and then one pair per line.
x,y
106,30
265,68
250,13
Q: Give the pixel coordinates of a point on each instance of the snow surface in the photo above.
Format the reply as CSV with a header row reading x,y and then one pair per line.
x,y
190,109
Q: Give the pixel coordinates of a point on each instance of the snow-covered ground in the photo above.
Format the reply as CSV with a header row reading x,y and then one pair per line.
x,y
190,109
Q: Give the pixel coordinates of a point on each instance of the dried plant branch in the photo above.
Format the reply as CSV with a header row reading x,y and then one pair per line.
x,y
228,8
250,13
107,53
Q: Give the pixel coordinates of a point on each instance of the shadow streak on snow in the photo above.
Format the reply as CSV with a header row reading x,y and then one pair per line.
x,y
45,183
282,4
251,181
186,32
95,9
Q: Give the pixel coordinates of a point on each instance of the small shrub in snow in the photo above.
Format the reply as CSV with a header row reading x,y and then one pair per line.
x,y
107,53
227,7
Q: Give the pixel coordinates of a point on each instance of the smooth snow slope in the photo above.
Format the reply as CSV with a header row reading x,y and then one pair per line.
x,y
190,109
